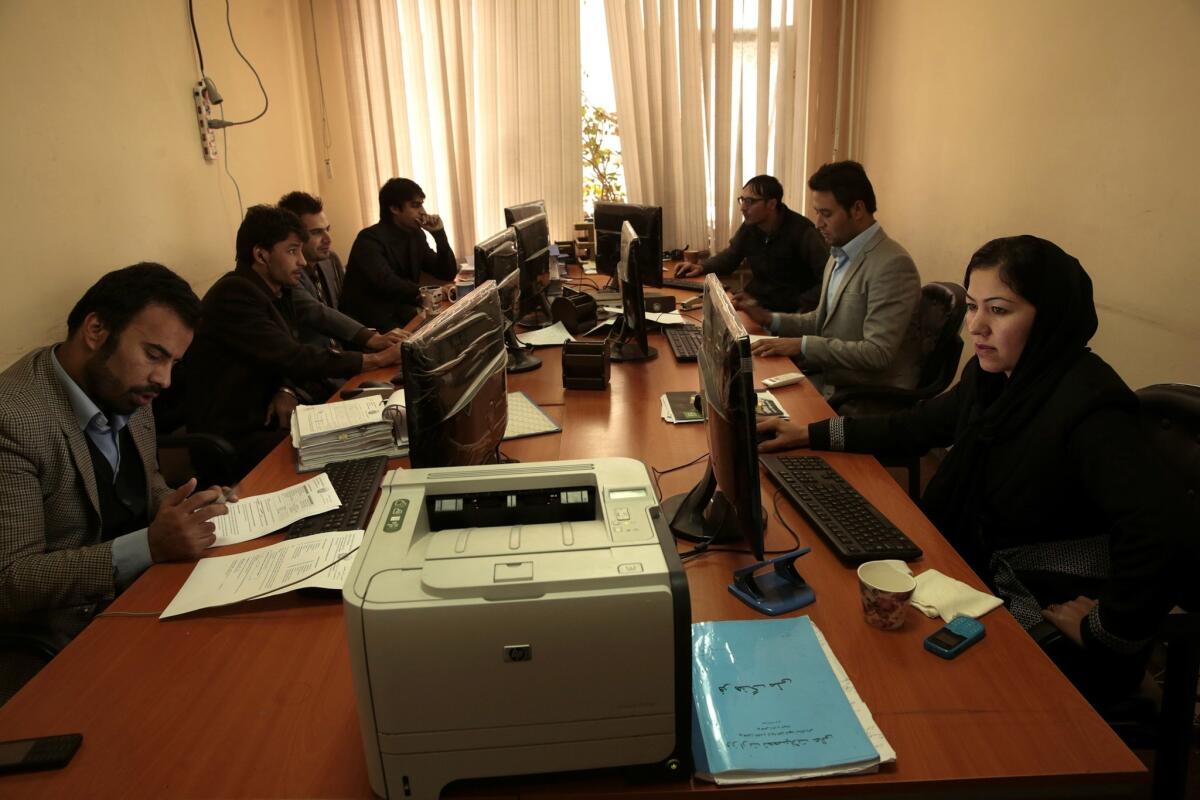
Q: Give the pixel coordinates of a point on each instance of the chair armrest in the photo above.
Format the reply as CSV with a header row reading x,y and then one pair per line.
x,y
219,446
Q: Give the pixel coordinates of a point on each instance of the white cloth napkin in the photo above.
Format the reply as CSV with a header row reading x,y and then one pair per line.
x,y
939,595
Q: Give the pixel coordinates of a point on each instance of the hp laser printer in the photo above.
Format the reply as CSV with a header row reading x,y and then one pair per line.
x,y
518,618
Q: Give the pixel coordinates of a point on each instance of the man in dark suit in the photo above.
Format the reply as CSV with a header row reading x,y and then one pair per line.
x,y
249,361
785,253
83,508
383,276
316,295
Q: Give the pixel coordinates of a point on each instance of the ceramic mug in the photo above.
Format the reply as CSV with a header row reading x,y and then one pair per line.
x,y
431,300
886,593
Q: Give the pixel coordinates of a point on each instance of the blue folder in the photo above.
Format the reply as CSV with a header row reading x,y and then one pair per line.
x,y
767,705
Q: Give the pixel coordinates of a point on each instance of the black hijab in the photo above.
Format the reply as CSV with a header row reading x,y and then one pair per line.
x,y
1056,284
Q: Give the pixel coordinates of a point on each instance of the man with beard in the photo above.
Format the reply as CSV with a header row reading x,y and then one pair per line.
x,y
83,508
250,367
317,294
783,249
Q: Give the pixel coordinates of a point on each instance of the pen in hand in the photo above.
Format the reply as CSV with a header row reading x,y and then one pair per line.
x,y
226,496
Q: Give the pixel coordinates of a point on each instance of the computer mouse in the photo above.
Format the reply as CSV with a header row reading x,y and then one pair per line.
x,y
375,385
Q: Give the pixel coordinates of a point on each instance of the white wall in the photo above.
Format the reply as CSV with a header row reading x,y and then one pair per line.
x,y
1074,120
101,163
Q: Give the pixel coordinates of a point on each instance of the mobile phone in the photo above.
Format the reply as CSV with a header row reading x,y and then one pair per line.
x,y
44,752
955,636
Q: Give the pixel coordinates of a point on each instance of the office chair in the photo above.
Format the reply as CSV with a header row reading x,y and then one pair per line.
x,y
1171,420
181,454
939,319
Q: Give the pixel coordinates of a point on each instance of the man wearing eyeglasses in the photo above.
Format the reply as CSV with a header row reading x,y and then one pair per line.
x,y
784,250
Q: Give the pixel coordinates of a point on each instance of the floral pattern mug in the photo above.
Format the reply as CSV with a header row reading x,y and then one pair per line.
x,y
886,593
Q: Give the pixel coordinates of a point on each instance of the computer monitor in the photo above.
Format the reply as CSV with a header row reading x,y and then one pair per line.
x,y
533,250
629,335
496,260
514,214
726,505
647,221
455,384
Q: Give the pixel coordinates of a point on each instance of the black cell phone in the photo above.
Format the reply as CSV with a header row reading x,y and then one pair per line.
x,y
44,752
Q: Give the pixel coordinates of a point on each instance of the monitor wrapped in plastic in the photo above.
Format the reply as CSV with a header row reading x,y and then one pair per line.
x,y
455,385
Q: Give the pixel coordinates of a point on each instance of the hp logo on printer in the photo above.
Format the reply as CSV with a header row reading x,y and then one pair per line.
x,y
518,652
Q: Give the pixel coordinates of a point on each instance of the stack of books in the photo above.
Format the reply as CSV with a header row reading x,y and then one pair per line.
x,y
322,434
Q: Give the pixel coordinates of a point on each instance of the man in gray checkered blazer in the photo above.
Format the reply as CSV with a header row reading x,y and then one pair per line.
x,y
83,508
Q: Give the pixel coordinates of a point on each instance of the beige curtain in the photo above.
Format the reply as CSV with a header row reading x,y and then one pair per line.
x,y
701,109
478,102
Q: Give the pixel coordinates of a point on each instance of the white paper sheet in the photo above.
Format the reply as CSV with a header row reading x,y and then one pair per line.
x,y
252,517
545,337
307,562
341,416
661,317
754,337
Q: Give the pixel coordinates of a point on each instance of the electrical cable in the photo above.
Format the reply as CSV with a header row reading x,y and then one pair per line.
x,y
326,138
238,50
225,159
656,473
196,36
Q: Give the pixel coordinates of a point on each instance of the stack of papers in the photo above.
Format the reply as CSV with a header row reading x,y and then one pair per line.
x,y
679,407
772,703
341,431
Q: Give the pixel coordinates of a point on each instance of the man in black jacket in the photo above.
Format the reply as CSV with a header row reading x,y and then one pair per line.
x,y
382,288
248,366
786,254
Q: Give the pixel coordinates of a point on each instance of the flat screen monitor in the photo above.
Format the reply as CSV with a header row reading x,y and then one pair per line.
x,y
514,214
455,384
629,342
533,250
726,505
646,221
496,259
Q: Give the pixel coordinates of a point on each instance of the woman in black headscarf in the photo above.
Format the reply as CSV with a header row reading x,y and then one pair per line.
x,y
1049,491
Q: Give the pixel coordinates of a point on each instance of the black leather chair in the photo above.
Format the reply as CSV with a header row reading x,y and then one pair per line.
x,y
181,454
940,317
1171,420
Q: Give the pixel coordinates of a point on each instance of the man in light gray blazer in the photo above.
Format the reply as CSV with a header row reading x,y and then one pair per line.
x,y
83,508
864,329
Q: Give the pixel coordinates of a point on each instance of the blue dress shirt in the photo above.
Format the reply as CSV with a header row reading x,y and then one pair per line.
x,y
130,551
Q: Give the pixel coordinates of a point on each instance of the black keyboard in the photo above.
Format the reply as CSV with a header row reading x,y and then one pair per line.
x,y
684,283
355,483
684,340
852,526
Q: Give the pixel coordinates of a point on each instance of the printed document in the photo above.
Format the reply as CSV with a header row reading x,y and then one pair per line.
x,y
257,516
319,561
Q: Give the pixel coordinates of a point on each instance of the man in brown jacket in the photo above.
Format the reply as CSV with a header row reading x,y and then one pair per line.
x,y
83,508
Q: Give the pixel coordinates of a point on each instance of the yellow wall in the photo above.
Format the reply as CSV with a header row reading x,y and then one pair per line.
x,y
1075,120
101,164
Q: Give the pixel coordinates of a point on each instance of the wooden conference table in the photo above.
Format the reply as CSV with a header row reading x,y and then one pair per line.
x,y
256,700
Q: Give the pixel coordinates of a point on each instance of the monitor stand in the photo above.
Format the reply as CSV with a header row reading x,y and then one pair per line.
x,y
540,316
520,356
705,516
627,348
